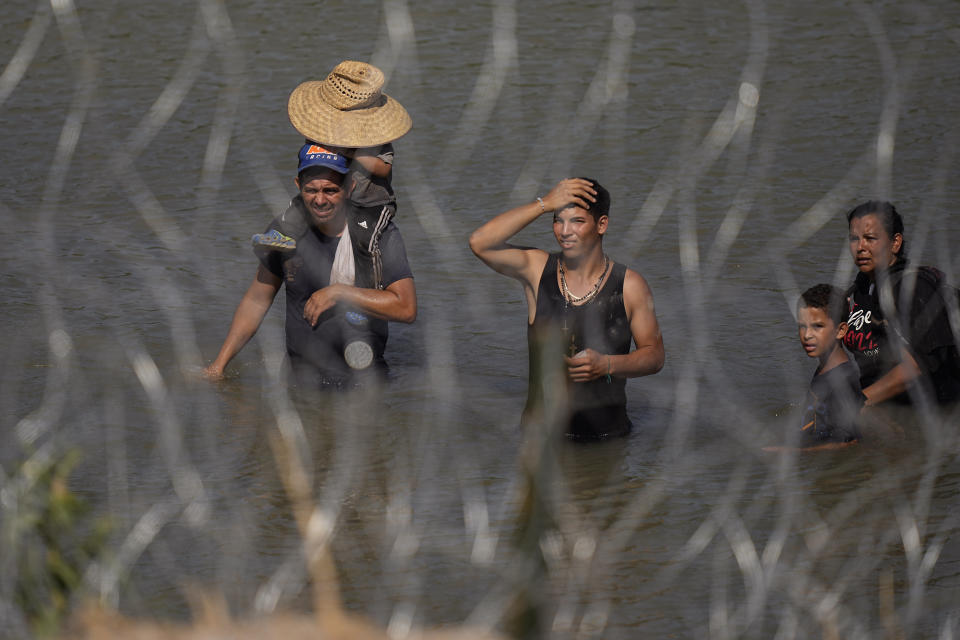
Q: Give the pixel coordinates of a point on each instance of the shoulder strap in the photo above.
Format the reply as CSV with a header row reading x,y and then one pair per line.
x,y
549,267
618,273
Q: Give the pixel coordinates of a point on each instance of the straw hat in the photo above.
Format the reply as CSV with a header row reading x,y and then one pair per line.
x,y
348,109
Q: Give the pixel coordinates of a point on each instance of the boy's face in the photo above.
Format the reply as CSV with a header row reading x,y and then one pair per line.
x,y
818,333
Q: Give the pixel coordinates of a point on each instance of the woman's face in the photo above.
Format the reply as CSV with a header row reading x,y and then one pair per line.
x,y
871,246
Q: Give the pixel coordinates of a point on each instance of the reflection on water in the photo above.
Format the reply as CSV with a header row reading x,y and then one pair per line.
x,y
129,210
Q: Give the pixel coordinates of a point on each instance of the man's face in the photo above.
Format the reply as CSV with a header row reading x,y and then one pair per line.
x,y
323,196
576,230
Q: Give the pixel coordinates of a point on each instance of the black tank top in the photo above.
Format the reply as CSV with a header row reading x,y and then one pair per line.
x,y
595,409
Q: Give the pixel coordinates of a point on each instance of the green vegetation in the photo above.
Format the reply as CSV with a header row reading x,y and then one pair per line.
x,y
51,537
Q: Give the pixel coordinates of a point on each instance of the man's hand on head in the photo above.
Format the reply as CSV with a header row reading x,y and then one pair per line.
x,y
570,191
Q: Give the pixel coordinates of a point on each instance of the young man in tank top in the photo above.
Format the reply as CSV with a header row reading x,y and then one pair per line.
x,y
583,310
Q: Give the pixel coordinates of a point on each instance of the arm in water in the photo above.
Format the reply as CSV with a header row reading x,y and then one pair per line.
x,y
246,320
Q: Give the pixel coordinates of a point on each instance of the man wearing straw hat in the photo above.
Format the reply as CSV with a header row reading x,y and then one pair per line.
x,y
335,247
316,333
348,113
583,311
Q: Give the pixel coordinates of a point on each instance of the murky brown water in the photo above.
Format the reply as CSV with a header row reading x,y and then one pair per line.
x,y
129,234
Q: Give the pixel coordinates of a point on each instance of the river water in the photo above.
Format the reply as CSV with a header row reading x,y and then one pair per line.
x,y
145,142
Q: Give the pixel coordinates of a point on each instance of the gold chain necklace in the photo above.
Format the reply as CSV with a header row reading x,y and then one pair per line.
x,y
572,299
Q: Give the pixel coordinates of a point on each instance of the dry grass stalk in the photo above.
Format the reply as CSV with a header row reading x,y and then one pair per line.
x,y
212,620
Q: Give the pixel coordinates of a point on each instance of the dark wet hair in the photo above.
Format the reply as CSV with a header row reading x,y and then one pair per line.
x,y
887,215
602,206
827,298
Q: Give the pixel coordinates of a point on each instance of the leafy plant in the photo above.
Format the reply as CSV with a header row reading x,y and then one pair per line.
x,y
53,539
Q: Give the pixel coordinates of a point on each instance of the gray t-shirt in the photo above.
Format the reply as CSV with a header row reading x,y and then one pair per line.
x,y
306,270
371,191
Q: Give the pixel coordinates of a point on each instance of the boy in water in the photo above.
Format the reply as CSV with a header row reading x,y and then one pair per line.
x,y
834,399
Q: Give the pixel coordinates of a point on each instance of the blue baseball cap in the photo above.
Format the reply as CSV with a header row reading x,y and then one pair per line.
x,y
313,155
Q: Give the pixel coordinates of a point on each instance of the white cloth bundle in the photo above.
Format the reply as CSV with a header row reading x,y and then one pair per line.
x,y
343,271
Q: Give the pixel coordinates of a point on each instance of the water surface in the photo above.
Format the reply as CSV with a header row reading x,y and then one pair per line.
x,y
145,143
